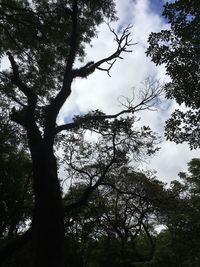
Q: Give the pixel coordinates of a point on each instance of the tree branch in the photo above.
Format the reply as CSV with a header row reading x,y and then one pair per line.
x,y
123,44
65,91
88,191
25,116
15,42
127,192
32,98
79,170
147,101
18,101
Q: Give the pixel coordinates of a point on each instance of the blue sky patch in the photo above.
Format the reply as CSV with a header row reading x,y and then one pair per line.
x,y
157,6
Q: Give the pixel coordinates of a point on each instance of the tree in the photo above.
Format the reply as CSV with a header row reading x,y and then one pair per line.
x,y
42,40
185,224
116,143
116,226
178,48
15,184
16,197
181,216
121,205
128,215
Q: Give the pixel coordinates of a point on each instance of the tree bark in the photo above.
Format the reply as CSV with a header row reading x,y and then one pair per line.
x,y
48,219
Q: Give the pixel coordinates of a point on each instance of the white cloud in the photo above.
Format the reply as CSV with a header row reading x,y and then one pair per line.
x,y
4,63
100,91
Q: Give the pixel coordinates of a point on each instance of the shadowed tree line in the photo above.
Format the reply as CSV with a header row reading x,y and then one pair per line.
x,y
118,224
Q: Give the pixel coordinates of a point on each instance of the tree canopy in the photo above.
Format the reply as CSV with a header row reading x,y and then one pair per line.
x,y
178,48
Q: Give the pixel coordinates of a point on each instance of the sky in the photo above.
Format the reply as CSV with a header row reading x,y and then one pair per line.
x,y
99,91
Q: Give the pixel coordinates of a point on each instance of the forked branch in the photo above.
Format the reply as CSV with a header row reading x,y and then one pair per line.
x,y
91,188
123,44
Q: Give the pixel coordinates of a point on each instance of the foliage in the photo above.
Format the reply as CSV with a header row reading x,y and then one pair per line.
x,y
178,48
16,197
182,219
116,225
38,36
15,183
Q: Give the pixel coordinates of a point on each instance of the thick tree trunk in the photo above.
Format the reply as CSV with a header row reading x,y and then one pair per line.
x,y
48,222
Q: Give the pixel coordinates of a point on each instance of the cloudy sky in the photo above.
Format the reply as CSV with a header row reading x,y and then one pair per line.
x,y
102,92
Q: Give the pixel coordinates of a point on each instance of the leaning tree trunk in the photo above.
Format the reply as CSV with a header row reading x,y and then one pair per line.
x,y
48,222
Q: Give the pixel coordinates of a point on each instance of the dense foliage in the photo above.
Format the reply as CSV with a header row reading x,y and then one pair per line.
x,y
15,188
118,226
42,41
179,49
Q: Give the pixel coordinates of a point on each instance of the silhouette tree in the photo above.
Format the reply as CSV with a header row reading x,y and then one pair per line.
x,y
42,40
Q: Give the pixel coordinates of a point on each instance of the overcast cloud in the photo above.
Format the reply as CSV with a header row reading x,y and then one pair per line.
x,y
102,92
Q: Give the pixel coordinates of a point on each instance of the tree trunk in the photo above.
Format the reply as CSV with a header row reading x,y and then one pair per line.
x,y
48,221
123,252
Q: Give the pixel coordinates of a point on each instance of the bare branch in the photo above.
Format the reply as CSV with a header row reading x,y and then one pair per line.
x,y
123,43
148,98
109,68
